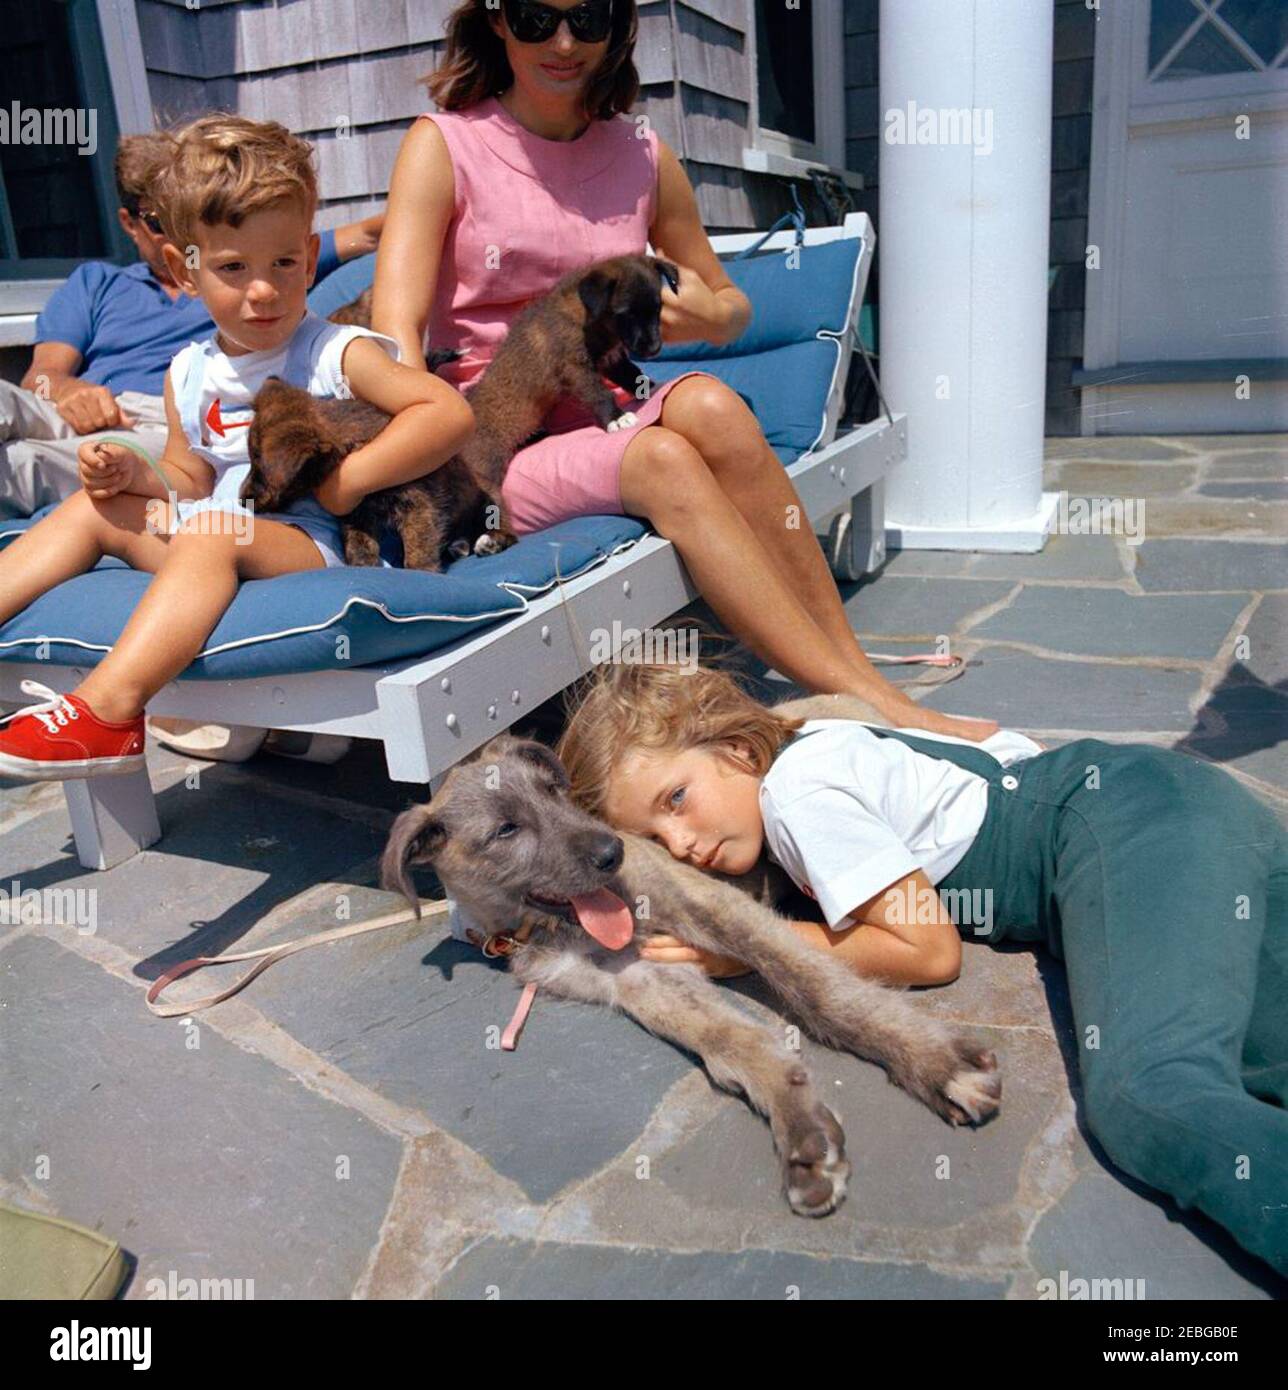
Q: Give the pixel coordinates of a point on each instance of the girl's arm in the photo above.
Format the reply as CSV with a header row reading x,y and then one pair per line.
x,y
903,936
422,202
709,305
432,421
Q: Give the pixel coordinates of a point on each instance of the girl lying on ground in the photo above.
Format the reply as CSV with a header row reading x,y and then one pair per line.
x,y
1159,880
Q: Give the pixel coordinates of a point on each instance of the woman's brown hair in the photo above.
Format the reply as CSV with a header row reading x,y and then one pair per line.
x,y
474,65
665,707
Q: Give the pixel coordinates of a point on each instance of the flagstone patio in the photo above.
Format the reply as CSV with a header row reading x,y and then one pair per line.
x,y
342,1127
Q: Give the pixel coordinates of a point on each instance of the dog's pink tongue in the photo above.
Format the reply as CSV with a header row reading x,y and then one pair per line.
x,y
606,917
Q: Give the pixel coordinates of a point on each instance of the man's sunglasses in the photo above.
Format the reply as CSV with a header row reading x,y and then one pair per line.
x,y
532,22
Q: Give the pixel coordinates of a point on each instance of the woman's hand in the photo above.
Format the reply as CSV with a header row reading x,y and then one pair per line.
x,y
696,312
669,950
105,469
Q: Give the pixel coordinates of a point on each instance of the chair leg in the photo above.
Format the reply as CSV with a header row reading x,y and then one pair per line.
x,y
867,528
113,818
856,540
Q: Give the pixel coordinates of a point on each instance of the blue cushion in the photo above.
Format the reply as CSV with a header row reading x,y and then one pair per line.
x,y
783,365
787,387
793,299
296,622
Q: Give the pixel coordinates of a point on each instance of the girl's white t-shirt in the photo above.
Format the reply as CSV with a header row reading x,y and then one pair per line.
x,y
847,813
231,383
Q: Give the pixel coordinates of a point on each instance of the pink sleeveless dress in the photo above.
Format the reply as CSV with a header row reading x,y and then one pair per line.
x,y
528,211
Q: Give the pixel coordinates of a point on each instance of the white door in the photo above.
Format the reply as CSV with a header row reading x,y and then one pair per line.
x,y
1189,192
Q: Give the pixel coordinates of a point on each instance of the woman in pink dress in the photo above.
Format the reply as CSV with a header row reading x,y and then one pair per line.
x,y
531,168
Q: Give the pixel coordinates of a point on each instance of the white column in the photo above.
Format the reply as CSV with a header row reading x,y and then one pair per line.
x,y
962,233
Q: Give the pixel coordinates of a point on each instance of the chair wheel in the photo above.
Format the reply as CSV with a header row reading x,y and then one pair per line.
x,y
840,549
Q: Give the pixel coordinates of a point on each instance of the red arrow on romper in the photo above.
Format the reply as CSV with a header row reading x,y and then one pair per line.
x,y
216,421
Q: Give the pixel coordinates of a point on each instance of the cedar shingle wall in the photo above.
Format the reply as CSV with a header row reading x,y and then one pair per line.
x,y
314,63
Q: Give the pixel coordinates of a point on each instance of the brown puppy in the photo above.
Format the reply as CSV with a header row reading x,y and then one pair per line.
x,y
358,313
297,440
591,323
587,327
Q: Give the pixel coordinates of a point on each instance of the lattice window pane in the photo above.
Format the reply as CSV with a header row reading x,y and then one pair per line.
x,y
1261,24
1168,20
1208,53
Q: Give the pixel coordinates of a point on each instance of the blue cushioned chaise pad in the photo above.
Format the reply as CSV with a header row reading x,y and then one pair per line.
x,y
295,622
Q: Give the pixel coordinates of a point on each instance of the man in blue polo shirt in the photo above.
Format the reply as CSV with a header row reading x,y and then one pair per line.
x,y
103,343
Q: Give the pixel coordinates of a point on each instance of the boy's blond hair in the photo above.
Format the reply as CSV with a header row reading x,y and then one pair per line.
x,y
221,167
664,708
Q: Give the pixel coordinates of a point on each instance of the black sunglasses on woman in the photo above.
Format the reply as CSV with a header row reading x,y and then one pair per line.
x,y
532,22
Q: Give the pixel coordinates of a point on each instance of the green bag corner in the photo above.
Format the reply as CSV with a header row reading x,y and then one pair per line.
x,y
46,1257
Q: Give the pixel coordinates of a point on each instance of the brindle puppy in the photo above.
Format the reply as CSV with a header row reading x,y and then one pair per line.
x,y
587,327
505,839
357,313
591,322
297,440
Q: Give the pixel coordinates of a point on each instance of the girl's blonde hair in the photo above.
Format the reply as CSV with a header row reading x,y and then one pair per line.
x,y
221,167
666,708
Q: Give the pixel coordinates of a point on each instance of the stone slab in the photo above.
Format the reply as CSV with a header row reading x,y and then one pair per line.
x,y
578,1273
926,564
1271,464
1215,517
1128,447
1022,691
1207,565
924,608
209,1162
1103,1229
910,1169
229,855
1245,725
1126,480
1266,659
417,1015
1110,622
1062,558
1266,491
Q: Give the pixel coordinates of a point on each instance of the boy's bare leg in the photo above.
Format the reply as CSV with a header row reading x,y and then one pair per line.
x,y
72,539
195,582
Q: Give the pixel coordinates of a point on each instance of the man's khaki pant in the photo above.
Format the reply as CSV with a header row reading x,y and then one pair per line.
x,y
38,447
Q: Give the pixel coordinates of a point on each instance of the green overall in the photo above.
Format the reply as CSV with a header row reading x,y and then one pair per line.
x,y
1163,885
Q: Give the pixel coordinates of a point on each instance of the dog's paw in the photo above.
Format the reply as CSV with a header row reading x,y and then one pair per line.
x,y
963,1082
459,548
974,1092
958,1078
624,421
491,543
815,1169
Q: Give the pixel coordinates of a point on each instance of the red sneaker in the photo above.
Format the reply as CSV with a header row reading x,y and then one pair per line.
x,y
61,738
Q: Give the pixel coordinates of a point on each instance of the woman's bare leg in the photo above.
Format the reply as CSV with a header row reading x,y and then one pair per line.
x,y
807,635
194,584
664,479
